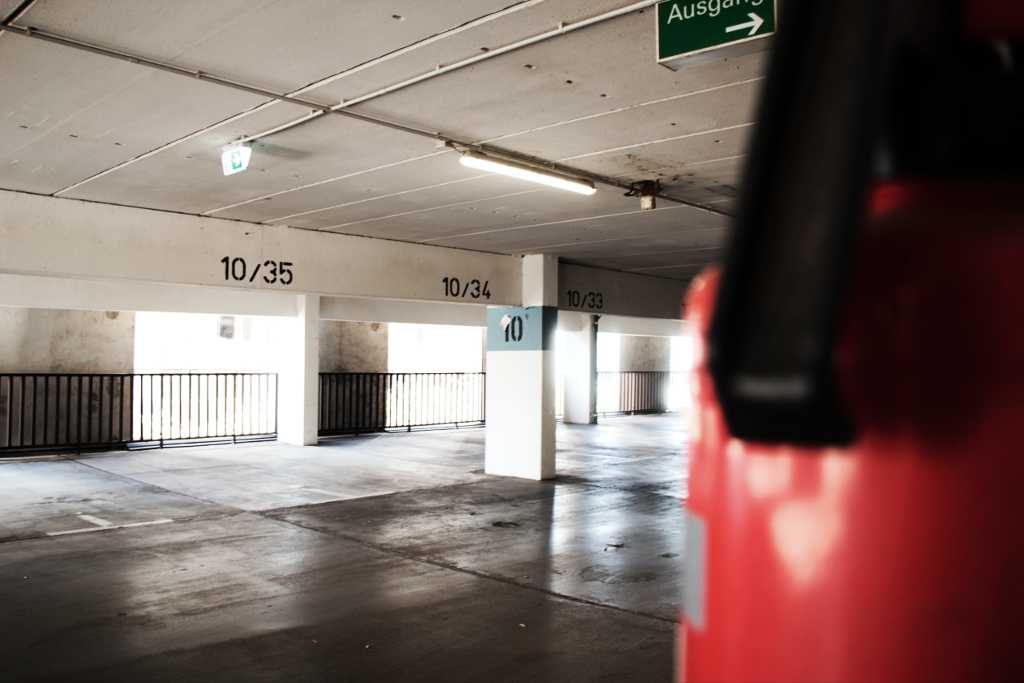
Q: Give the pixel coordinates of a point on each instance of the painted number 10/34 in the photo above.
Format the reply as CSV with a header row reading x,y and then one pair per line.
x,y
466,289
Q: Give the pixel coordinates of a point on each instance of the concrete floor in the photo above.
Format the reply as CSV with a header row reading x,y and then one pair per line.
x,y
376,558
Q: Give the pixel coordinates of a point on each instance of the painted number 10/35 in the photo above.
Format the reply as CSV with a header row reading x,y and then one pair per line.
x,y
273,272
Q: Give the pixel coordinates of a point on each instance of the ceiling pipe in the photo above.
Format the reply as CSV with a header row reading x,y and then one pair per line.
x,y
56,39
341,109
16,13
412,47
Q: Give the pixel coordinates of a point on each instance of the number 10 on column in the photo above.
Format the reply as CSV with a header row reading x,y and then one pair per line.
x,y
513,325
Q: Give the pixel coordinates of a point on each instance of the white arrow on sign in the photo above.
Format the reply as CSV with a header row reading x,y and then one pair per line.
x,y
755,24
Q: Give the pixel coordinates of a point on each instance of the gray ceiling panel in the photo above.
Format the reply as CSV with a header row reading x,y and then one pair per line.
x,y
690,227
715,183
697,167
635,127
669,255
7,6
471,42
676,272
277,45
124,134
534,207
485,188
501,96
723,109
66,115
190,179
437,168
654,240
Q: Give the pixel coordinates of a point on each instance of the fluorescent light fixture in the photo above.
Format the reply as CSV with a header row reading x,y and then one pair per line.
x,y
235,158
513,170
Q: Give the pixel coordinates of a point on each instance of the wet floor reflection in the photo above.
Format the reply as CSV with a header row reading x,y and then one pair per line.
x,y
456,582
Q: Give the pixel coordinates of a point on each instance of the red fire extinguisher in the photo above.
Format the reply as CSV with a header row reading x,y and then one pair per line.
x,y
856,458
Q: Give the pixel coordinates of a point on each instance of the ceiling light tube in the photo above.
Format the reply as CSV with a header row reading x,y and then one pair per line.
x,y
523,172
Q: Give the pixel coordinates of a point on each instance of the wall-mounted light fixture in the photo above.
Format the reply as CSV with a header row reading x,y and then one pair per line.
x,y
511,169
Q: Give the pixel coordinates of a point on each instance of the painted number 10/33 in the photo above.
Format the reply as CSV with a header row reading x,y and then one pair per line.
x,y
593,301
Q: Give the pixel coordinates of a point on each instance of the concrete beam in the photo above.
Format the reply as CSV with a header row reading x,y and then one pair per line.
x,y
25,291
642,327
610,292
47,236
381,310
219,266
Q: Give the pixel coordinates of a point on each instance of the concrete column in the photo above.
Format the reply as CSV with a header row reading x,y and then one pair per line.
x,y
520,434
298,399
579,332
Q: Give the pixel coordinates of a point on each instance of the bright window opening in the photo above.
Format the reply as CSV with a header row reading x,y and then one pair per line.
x,y
434,348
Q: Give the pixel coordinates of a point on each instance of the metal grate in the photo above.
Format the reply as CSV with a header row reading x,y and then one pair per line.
x,y
636,393
74,411
353,403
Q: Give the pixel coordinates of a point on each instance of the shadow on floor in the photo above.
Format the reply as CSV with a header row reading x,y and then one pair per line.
x,y
368,559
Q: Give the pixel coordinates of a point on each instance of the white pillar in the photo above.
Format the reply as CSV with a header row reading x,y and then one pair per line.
x,y
520,435
298,395
579,360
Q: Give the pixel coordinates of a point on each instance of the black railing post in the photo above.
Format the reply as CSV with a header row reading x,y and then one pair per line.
x,y
80,410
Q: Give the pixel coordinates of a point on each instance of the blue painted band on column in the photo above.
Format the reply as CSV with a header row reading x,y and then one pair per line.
x,y
511,328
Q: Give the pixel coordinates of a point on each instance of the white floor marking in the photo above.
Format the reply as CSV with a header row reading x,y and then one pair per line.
x,y
335,494
325,492
108,528
98,521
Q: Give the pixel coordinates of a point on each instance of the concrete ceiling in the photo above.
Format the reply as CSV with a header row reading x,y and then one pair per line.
x,y
79,125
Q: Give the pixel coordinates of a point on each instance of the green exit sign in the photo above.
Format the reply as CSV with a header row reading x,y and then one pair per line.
x,y
688,28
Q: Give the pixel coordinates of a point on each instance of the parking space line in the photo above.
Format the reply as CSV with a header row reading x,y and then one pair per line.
x,y
94,520
109,527
325,492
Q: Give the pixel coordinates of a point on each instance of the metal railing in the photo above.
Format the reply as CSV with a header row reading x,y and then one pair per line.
x,y
49,411
637,393
353,403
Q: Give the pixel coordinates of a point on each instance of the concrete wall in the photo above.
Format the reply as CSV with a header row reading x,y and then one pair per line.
x,y
35,340
645,353
49,411
353,347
